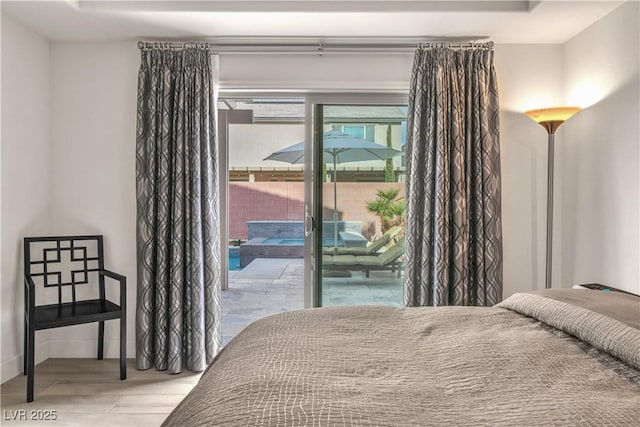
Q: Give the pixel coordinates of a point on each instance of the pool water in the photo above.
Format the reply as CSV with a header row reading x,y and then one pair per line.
x,y
234,261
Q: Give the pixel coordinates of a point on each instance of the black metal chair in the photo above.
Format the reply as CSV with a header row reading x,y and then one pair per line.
x,y
79,258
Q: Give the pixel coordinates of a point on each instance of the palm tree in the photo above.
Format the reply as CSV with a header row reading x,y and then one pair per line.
x,y
389,207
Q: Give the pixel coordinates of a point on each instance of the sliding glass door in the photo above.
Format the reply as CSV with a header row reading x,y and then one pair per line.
x,y
358,157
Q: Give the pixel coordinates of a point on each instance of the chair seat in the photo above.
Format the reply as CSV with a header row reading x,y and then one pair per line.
x,y
369,260
346,251
338,260
56,315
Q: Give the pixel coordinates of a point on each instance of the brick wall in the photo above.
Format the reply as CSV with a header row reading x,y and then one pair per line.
x,y
284,201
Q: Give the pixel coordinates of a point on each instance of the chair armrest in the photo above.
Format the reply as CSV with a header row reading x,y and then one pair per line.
x,y
123,285
114,276
28,282
29,293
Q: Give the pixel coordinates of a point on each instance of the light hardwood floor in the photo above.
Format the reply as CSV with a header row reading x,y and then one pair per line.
x,y
87,392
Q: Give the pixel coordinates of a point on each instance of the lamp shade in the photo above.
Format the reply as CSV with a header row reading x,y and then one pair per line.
x,y
551,118
552,114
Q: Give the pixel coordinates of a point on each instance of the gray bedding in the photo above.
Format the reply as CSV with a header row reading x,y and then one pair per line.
x,y
531,360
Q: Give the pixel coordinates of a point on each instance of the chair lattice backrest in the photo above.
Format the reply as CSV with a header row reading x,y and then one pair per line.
x,y
64,261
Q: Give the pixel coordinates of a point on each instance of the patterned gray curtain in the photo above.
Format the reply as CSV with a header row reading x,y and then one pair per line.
x,y
178,251
454,231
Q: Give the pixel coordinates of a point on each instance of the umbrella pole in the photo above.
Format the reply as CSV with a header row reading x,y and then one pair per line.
x,y
335,206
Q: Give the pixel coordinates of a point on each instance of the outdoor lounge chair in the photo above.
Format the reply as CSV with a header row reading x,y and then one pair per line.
x,y
371,249
387,260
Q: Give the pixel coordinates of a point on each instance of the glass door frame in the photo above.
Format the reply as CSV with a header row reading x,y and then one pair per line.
x,y
314,121
226,118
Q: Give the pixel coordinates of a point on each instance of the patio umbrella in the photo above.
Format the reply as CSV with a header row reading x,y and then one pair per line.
x,y
338,147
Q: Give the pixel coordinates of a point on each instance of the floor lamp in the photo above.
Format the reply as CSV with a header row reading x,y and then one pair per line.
x,y
550,119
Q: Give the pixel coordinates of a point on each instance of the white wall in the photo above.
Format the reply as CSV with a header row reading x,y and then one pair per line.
x,y
25,176
599,238
311,73
529,77
93,119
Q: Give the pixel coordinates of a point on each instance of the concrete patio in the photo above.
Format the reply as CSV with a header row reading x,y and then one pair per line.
x,y
274,285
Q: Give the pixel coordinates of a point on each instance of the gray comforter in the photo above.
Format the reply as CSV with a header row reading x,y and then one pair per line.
x,y
564,358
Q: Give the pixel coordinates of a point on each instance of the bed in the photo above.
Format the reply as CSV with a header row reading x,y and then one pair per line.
x,y
554,358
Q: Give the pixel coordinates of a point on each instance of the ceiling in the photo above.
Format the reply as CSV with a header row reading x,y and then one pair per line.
x,y
503,21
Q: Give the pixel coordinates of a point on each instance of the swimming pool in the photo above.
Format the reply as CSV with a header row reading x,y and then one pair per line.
x,y
271,247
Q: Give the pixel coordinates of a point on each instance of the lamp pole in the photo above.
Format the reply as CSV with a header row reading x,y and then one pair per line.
x,y
550,119
549,262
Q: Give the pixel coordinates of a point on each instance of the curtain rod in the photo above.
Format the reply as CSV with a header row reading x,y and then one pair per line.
x,y
317,48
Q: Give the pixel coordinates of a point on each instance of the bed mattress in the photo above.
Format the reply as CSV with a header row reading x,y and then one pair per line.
x,y
559,358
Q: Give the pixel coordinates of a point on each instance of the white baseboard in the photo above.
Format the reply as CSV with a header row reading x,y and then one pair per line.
x,y
13,367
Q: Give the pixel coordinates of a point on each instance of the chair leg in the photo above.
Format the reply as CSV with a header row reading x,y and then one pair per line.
x,y
30,363
123,348
100,340
26,347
